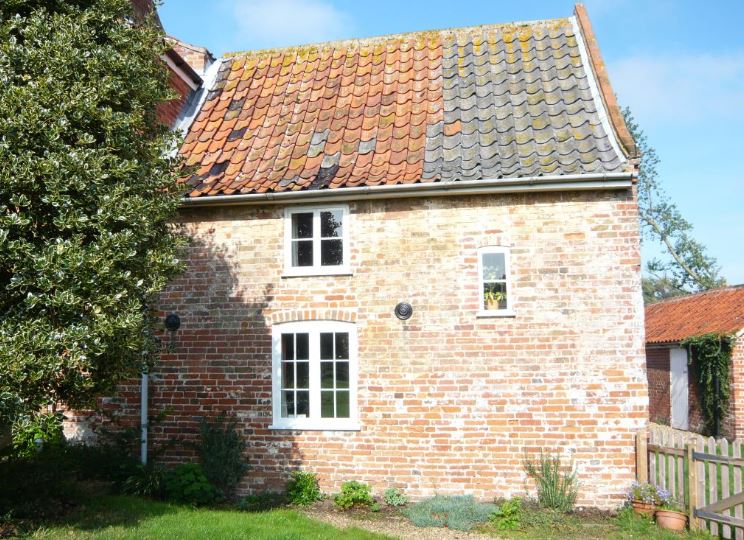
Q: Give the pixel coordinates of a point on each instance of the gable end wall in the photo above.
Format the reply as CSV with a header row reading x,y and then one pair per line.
x,y
448,402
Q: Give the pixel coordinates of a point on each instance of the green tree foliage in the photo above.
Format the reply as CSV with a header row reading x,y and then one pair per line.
x,y
689,268
87,192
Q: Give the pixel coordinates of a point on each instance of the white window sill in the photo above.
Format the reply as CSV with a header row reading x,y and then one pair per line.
x,y
491,313
312,271
317,425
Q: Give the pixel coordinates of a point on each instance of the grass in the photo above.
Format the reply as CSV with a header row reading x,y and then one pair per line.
x,y
121,517
543,524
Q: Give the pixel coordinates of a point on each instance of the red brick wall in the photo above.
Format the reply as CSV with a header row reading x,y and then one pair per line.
x,y
448,402
737,388
169,111
657,371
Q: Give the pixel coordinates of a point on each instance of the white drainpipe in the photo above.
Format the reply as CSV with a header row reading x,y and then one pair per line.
x,y
143,418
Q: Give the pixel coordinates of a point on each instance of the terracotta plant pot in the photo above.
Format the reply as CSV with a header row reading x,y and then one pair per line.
x,y
671,520
643,508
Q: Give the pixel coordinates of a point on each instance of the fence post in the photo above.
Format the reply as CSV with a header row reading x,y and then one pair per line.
x,y
692,491
642,456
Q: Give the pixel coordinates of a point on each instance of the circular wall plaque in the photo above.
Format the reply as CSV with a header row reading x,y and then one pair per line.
x,y
403,311
172,322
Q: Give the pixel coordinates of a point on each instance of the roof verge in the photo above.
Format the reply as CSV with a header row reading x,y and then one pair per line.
x,y
617,122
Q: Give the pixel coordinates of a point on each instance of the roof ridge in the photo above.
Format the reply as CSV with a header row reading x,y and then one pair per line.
x,y
685,297
359,41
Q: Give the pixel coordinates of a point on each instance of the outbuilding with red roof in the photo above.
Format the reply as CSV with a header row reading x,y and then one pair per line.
x,y
674,397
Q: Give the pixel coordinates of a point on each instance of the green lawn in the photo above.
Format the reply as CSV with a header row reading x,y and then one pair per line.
x,y
130,517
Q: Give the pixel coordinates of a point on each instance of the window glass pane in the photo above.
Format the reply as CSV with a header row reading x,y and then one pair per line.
x,y
288,403
287,374
302,225
342,374
342,346
287,346
326,374
326,346
494,266
303,403
331,252
303,346
302,253
331,224
494,296
326,404
342,404
303,374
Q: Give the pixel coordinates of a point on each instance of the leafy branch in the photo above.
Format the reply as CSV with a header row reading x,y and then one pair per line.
x,y
689,267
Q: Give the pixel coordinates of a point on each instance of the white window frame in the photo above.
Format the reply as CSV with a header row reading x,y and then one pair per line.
x,y
314,421
316,269
482,311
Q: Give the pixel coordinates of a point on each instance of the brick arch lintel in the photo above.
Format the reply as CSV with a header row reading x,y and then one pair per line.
x,y
295,315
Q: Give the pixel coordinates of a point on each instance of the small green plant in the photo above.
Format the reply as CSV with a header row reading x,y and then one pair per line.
x,y
460,512
147,480
508,515
375,507
646,493
354,493
188,484
394,497
303,488
557,488
31,433
221,451
260,502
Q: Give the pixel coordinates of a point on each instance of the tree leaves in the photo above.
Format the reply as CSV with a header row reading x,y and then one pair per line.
x,y
87,197
689,268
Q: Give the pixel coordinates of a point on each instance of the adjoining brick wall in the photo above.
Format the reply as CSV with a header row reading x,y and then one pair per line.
x,y
168,112
448,402
737,387
658,373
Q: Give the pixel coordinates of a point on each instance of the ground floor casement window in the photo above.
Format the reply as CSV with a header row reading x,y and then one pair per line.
x,y
314,375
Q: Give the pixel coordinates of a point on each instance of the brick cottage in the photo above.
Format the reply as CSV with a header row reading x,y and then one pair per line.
x,y
414,261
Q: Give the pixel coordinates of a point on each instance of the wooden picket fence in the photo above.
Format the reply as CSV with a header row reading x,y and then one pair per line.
x,y
703,473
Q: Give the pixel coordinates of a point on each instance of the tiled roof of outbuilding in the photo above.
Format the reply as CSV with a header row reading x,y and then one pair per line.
x,y
501,101
718,310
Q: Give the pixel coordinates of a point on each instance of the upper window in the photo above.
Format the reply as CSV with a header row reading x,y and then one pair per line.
x,y
493,265
316,241
314,375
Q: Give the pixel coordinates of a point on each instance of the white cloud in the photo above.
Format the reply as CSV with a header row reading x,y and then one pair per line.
x,y
276,23
681,89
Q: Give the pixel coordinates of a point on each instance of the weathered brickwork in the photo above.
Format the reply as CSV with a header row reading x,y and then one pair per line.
x,y
448,402
657,370
737,387
168,112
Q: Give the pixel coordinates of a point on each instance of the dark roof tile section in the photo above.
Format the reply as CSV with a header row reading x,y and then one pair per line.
x,y
719,311
486,102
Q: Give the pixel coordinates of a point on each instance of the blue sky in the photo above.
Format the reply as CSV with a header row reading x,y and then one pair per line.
x,y
679,65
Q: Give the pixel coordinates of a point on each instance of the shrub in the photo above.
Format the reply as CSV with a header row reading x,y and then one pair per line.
x,y
221,452
146,480
188,484
460,512
508,515
394,497
353,493
303,488
556,488
260,502
31,432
